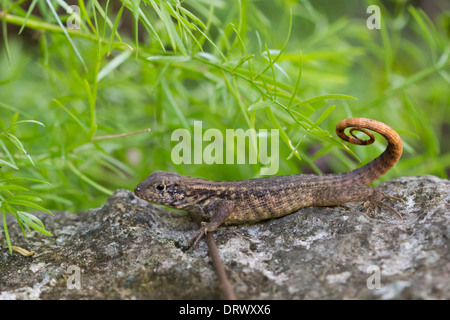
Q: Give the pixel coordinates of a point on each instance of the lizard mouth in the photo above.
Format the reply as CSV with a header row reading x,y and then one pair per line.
x,y
141,194
138,192
148,196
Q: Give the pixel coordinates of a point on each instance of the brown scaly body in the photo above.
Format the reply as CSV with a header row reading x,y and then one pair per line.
x,y
258,199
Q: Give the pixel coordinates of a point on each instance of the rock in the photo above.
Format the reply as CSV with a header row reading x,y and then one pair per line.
x,y
130,249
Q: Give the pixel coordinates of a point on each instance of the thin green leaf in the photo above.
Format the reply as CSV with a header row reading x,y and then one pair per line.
x,y
411,80
324,115
269,57
283,134
8,164
192,16
234,90
118,164
27,204
24,121
212,43
67,34
24,197
31,217
297,84
35,226
92,97
86,16
135,7
12,187
58,199
8,154
169,59
73,116
30,9
88,180
325,97
26,179
18,144
14,109
317,131
107,20
13,211
113,64
114,28
261,105
175,40
5,228
238,63
419,18
5,34
174,104
283,46
151,30
187,26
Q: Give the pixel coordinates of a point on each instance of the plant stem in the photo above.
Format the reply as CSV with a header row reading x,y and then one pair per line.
x,y
41,25
114,136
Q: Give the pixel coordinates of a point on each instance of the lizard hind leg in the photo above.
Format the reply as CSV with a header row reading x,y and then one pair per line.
x,y
371,196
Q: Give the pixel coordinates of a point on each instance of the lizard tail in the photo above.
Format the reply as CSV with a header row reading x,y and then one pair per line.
x,y
378,167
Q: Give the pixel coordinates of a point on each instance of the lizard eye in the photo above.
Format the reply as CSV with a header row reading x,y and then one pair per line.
x,y
160,187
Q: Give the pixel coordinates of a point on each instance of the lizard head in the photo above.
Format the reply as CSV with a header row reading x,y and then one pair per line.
x,y
161,188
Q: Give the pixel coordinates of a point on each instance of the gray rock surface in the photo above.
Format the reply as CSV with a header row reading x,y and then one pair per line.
x,y
129,249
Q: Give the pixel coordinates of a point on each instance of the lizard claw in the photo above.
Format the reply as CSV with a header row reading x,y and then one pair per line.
x,y
197,236
375,202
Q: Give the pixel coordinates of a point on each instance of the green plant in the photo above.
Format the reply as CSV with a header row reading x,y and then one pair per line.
x,y
11,199
162,64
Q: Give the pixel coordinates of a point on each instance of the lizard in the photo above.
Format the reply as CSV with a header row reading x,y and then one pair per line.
x,y
215,203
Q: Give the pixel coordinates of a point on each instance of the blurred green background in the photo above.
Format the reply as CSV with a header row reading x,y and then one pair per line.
x,y
162,65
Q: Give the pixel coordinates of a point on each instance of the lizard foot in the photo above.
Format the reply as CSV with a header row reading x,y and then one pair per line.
x,y
223,209
375,202
198,235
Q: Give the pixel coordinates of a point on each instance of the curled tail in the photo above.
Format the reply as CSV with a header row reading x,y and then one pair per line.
x,y
379,166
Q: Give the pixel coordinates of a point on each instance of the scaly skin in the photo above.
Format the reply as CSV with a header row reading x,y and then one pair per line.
x,y
253,200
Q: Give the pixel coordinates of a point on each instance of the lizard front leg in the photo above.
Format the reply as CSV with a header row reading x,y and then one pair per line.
x,y
222,212
371,197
